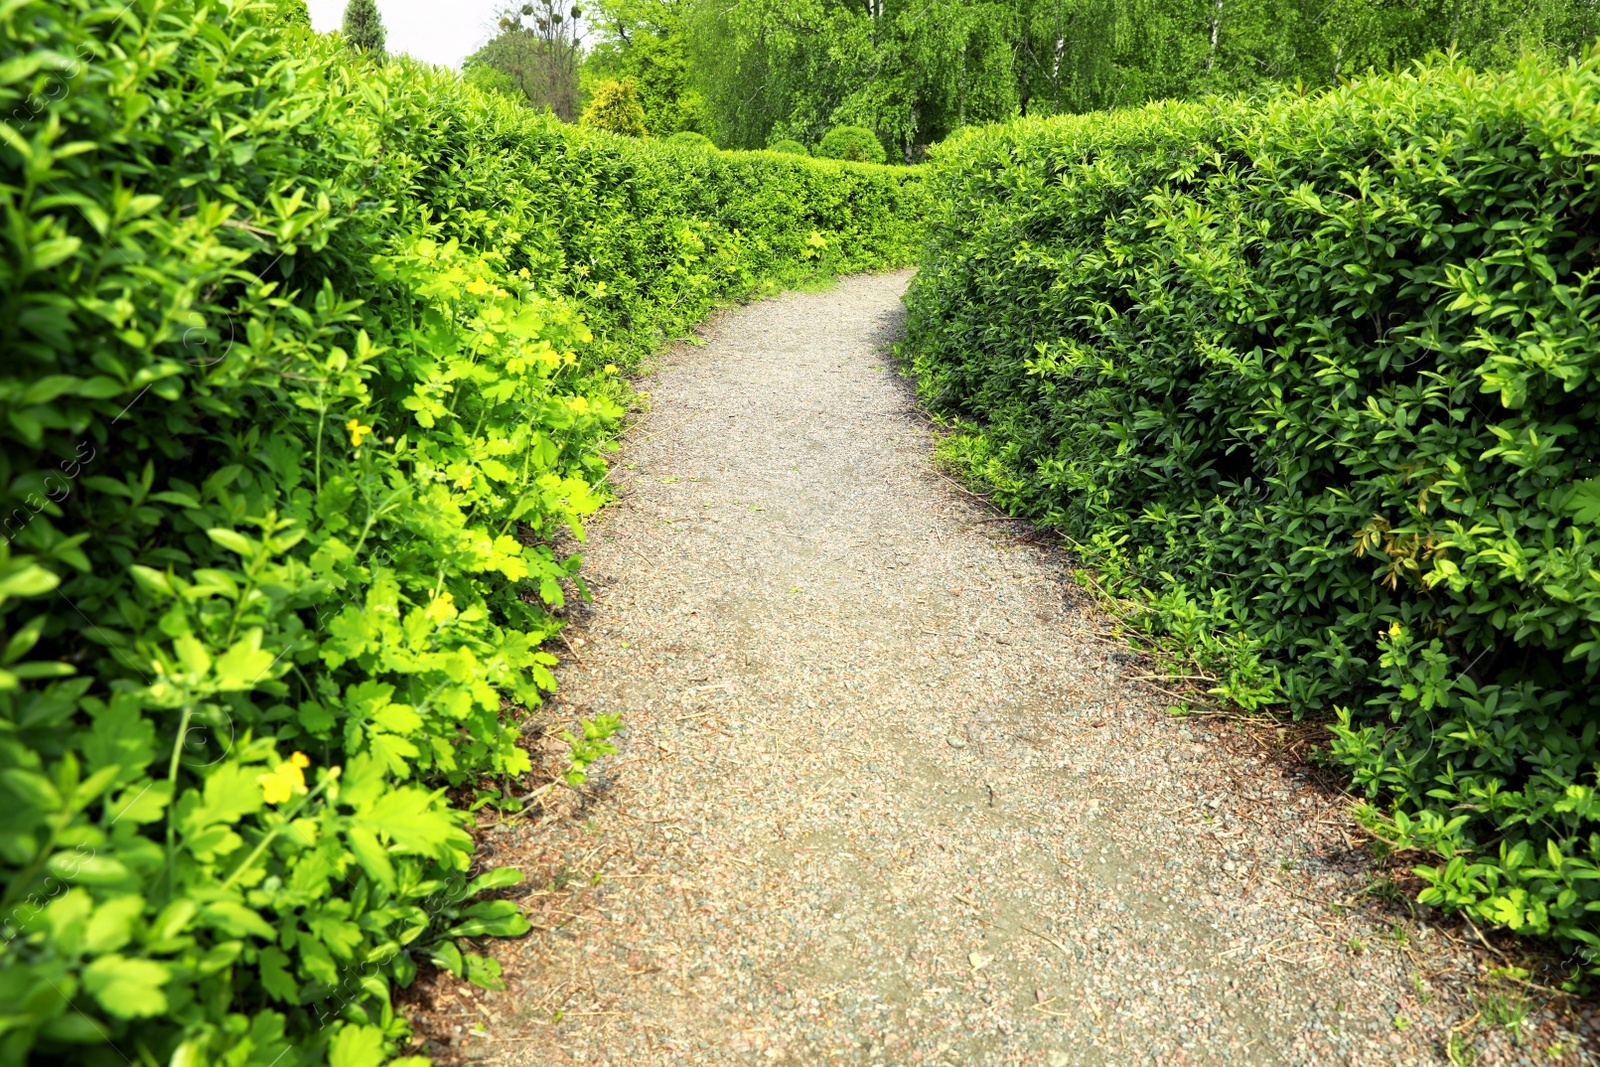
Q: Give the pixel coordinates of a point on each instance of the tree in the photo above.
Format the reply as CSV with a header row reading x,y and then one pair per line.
x,y
615,107
912,71
363,27
539,46
645,40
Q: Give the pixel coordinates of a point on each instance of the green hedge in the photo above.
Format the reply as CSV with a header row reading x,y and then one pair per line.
x,y
851,142
1313,381
309,364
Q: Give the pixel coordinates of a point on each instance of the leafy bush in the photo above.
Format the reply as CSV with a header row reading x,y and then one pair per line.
x,y
854,143
487,79
309,370
690,139
787,147
616,108
1314,379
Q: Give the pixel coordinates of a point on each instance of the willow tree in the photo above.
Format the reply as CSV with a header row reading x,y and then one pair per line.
x,y
913,70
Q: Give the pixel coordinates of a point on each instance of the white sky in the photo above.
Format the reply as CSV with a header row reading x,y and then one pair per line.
x,y
430,30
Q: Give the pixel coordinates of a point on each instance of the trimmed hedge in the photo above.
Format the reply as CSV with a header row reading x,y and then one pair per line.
x,y
1313,380
691,139
309,365
855,143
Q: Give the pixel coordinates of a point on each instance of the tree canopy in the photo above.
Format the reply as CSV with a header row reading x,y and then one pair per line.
x,y
912,71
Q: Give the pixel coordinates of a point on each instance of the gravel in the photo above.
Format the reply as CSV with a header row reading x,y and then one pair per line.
x,y
887,796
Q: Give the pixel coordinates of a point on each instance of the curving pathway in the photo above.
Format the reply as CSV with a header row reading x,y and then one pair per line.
x,y
887,796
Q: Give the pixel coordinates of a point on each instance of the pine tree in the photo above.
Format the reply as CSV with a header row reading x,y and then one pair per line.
x,y
363,27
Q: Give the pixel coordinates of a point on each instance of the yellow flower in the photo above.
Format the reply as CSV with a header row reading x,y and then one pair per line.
x,y
611,368
465,481
477,287
357,431
442,607
1394,629
285,780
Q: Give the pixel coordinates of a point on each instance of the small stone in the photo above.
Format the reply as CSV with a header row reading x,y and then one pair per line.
x,y
956,742
1057,1058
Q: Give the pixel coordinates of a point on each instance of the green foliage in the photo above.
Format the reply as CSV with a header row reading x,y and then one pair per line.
x,y
363,27
615,108
291,13
852,143
1317,376
487,79
913,71
690,139
294,420
788,147
645,40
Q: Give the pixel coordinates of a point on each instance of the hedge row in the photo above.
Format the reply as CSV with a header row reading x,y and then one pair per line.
x,y
308,362
1313,381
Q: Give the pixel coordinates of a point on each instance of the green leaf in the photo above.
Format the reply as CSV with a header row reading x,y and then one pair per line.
x,y
24,639
112,925
33,789
28,580
245,665
233,541
128,988
86,868
276,977
356,1046
415,821
483,972
498,878
446,955
372,856
235,920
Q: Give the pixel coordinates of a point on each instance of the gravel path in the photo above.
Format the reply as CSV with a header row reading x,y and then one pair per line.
x,y
886,798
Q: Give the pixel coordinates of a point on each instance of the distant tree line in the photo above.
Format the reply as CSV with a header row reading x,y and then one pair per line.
x,y
749,73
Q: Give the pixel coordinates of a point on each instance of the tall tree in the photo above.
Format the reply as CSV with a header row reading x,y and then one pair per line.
x,y
363,27
539,46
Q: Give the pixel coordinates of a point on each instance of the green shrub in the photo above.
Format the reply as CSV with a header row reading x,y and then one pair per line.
x,y
690,139
291,13
853,143
487,79
294,418
788,147
616,108
1314,380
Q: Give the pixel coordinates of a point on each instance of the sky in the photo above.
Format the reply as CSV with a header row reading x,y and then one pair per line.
x,y
430,30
